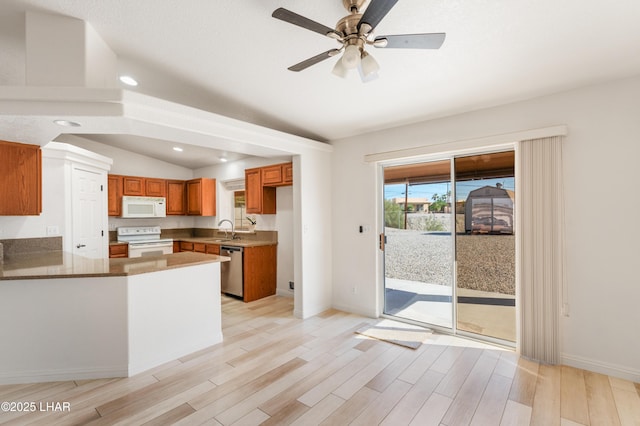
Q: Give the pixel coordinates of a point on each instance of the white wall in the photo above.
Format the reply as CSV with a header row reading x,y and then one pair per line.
x,y
312,232
601,177
284,225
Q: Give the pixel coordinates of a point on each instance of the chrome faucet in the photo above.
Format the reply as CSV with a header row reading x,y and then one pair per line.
x,y
233,232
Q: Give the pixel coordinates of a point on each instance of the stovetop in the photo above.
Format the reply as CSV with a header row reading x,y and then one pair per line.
x,y
129,234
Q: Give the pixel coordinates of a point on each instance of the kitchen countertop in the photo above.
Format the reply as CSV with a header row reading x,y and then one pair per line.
x,y
235,243
59,264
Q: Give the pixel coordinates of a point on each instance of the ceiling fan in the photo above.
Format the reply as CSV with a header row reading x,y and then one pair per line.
x,y
354,32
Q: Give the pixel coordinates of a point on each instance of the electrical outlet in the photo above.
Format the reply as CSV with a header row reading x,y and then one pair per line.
x,y
353,290
52,230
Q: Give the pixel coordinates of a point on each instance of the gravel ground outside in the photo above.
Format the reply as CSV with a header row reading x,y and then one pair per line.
x,y
485,262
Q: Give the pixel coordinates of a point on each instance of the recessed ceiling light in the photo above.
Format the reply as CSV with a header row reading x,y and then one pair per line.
x,y
66,123
128,80
223,159
177,149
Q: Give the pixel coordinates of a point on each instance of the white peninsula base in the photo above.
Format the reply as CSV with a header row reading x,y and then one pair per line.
x,y
112,326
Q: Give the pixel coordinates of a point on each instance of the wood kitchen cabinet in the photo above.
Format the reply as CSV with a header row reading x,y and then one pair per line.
x,y
197,247
201,197
186,246
212,249
260,186
271,175
155,187
21,189
118,250
259,199
176,202
114,197
287,174
133,185
260,272
277,174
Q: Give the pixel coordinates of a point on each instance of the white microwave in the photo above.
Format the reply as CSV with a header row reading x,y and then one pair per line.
x,y
144,207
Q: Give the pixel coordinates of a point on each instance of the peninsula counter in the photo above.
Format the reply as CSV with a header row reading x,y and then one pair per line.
x,y
65,317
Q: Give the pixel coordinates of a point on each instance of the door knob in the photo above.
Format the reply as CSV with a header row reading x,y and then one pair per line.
x,y
81,245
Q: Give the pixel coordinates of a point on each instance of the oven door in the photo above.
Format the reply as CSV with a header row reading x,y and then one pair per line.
x,y
150,248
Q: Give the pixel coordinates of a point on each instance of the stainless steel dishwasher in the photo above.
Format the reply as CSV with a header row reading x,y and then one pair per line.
x,y
231,272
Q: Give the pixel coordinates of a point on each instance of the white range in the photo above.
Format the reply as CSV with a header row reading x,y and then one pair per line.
x,y
144,240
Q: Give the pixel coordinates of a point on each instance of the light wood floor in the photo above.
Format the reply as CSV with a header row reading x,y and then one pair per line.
x,y
275,369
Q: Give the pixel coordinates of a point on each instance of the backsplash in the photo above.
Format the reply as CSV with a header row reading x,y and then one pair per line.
x,y
30,245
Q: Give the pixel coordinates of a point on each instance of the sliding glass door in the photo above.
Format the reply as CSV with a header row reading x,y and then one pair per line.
x,y
418,250
449,257
485,245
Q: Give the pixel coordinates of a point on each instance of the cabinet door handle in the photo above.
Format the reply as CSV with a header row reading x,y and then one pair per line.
x,y
81,245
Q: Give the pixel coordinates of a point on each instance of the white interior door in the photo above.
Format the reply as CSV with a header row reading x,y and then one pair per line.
x,y
88,211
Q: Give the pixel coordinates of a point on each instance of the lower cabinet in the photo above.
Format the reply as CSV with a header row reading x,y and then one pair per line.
x,y
186,246
260,265
212,249
118,250
196,247
260,272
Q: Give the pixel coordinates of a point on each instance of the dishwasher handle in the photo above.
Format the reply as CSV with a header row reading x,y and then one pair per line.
x,y
230,249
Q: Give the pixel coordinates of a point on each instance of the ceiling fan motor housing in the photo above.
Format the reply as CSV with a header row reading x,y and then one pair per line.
x,y
348,25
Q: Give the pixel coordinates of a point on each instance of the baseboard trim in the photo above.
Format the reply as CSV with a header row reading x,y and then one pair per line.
x,y
284,293
41,376
596,366
348,308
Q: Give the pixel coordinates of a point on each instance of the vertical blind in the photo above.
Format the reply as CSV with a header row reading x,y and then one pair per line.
x,y
541,247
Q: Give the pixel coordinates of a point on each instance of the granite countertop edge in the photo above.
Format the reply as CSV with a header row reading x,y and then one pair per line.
x,y
233,243
67,265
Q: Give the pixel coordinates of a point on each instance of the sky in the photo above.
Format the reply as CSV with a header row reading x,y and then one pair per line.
x,y
428,190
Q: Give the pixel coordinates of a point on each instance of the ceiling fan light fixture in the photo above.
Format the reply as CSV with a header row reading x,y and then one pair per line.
x,y
340,70
369,65
351,56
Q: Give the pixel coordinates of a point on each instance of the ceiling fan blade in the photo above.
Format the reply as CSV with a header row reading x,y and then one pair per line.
x,y
299,20
374,13
411,41
314,60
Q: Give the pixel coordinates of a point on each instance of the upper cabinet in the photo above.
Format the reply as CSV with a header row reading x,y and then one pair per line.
x,y
277,175
144,186
21,189
201,197
176,202
133,185
195,197
287,173
260,186
155,187
259,199
114,190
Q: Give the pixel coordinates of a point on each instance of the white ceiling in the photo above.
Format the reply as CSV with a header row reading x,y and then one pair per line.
x,y
231,57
